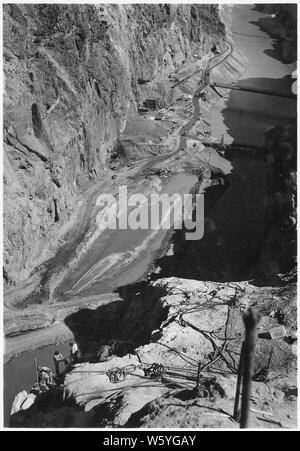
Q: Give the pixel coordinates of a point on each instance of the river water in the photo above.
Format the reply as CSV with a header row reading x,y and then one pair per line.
x,y
243,118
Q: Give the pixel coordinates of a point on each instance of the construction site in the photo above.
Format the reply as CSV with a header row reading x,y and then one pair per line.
x,y
122,328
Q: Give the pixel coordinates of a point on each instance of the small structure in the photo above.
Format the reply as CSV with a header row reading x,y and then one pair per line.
x,y
151,104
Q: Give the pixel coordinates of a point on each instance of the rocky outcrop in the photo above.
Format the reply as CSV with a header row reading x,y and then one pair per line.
x,y
72,75
201,322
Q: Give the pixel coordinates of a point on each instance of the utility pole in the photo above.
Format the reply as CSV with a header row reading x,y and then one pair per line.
x,y
245,372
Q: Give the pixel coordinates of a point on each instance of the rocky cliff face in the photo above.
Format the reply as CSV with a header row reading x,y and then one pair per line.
x,y
72,75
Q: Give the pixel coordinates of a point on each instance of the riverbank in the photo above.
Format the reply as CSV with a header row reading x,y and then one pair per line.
x,y
193,159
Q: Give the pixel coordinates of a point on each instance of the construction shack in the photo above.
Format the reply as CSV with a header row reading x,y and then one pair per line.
x,y
151,104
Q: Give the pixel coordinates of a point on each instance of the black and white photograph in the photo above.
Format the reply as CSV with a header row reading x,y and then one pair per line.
x,y
149,218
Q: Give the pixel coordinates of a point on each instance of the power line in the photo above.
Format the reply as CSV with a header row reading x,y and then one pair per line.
x,y
250,35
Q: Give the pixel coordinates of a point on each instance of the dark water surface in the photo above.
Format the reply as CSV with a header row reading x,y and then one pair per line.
x,y
244,117
19,373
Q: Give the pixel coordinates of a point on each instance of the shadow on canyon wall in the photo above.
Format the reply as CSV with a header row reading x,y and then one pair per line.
x,y
284,35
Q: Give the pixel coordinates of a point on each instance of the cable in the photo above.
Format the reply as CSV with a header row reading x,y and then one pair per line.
x,y
183,356
155,371
250,35
215,346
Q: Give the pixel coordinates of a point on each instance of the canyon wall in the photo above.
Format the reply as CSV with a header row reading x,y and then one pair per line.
x,y
73,73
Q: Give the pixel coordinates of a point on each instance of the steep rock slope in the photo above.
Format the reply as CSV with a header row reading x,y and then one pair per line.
x,y
72,75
